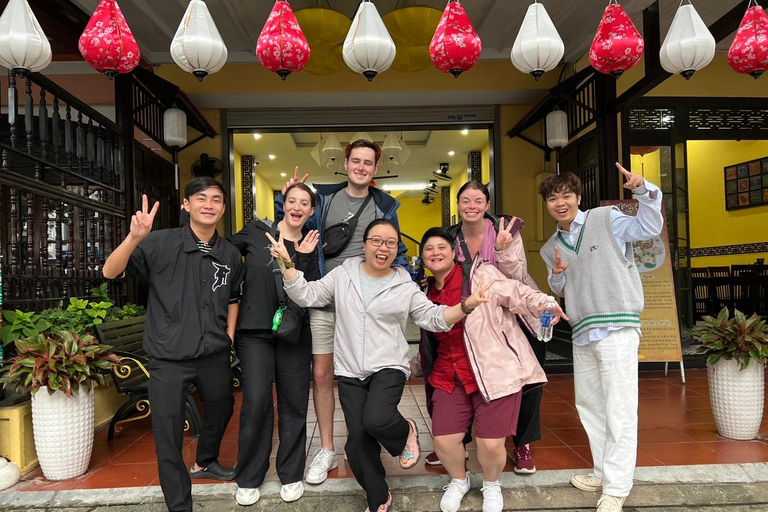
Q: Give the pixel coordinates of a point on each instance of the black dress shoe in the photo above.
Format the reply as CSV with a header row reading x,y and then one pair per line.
x,y
213,471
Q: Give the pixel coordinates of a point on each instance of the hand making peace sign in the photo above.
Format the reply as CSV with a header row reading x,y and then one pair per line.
x,y
141,222
504,238
294,180
480,295
278,249
633,180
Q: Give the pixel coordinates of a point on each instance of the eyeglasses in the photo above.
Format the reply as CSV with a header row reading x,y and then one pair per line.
x,y
378,242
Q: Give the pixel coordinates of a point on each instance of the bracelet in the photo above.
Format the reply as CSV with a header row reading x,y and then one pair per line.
x,y
464,308
284,264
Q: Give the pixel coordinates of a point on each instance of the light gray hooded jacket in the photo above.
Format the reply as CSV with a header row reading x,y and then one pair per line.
x,y
372,339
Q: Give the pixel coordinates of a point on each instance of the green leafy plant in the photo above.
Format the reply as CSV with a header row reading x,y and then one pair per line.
x,y
100,292
738,337
127,311
62,361
22,325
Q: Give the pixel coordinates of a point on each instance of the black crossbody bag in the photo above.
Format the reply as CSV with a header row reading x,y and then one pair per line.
x,y
288,320
336,238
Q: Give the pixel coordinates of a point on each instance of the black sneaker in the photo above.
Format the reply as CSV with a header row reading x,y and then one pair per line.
x,y
213,471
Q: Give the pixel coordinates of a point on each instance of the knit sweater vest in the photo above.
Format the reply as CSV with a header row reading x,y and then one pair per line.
x,y
602,285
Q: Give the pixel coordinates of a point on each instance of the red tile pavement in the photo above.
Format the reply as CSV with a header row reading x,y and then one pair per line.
x,y
675,427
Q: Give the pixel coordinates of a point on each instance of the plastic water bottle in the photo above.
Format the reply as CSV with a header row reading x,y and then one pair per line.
x,y
413,268
545,323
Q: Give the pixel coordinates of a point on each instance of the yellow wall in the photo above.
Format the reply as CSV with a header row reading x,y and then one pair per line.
x,y
456,184
485,163
415,218
265,199
238,177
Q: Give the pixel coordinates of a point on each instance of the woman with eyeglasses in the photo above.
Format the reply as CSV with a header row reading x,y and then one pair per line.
x,y
373,302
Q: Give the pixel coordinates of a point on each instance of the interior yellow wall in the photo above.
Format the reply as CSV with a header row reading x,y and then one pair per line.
x,y
265,199
458,181
485,163
238,177
415,218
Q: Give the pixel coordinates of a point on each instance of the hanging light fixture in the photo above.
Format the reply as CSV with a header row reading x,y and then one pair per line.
x,y
175,134
689,45
412,28
368,47
748,53
197,47
538,47
107,43
361,135
325,31
455,47
617,45
318,154
332,147
282,47
23,45
557,129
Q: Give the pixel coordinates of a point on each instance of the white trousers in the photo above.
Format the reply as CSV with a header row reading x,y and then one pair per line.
x,y
605,381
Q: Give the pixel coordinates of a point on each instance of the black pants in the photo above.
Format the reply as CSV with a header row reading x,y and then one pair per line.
x,y
370,411
167,387
264,360
529,420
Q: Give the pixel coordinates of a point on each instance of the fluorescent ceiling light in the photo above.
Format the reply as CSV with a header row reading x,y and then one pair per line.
x,y
405,186
257,136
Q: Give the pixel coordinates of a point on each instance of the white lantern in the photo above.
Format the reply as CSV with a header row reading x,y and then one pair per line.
x,y
557,129
689,45
175,127
538,47
361,135
368,48
332,147
197,46
23,45
391,147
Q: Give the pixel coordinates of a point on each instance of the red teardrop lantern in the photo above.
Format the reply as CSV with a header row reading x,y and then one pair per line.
x,y
282,47
642,150
617,45
455,47
107,43
749,51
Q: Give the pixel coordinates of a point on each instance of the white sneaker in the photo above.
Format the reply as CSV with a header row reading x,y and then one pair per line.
x,y
323,461
608,503
454,493
588,482
493,501
247,497
292,492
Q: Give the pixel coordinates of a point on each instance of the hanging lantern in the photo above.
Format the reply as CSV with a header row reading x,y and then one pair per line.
x,y
107,44
748,53
197,47
282,47
538,47
642,150
689,45
23,45
175,127
325,31
412,28
332,147
617,45
455,47
368,47
557,129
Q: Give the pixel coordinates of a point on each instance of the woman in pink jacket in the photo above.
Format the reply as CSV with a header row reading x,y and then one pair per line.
x,y
478,368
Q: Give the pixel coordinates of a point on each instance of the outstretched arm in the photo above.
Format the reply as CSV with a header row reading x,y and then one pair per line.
x,y
648,222
141,225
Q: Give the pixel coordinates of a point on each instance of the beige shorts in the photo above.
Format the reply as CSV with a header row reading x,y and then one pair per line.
x,y
323,325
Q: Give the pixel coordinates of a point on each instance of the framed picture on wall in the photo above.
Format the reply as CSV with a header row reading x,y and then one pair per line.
x,y
746,184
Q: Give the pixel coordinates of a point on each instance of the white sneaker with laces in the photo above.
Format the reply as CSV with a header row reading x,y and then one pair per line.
x,y
608,503
292,492
588,482
322,462
454,493
247,497
493,501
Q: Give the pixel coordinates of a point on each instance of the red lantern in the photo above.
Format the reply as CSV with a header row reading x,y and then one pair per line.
x,y
282,47
455,47
749,51
107,43
617,45
642,150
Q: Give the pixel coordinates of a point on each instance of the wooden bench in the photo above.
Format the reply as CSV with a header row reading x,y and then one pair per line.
x,y
132,375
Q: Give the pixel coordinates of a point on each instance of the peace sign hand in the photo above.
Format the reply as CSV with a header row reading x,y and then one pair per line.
x,y
141,222
559,267
480,296
308,244
294,180
633,180
504,238
277,248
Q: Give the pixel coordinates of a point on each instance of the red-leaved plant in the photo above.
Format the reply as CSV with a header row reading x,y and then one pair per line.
x,y
62,361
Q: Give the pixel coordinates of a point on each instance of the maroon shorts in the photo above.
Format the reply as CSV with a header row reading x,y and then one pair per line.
x,y
453,413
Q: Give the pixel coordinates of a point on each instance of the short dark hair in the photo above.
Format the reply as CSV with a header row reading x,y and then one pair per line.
x,y
363,143
379,222
305,188
474,184
560,184
197,185
436,232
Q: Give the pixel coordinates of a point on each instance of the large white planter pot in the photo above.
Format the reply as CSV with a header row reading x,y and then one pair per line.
x,y
737,398
63,429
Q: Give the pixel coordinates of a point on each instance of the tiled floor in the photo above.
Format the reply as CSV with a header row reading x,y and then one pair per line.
x,y
676,427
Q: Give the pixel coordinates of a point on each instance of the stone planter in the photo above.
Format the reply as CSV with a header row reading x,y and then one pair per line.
x,y
63,429
737,398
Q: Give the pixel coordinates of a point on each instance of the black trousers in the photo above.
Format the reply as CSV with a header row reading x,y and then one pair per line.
x,y
529,420
167,387
264,360
370,411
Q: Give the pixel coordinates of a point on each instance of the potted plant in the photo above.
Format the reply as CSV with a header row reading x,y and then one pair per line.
x,y
737,350
60,370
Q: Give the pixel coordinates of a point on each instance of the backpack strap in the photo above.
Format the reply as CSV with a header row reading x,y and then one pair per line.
x,y
276,272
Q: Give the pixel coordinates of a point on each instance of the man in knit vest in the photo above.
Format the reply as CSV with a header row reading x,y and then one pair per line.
x,y
591,264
